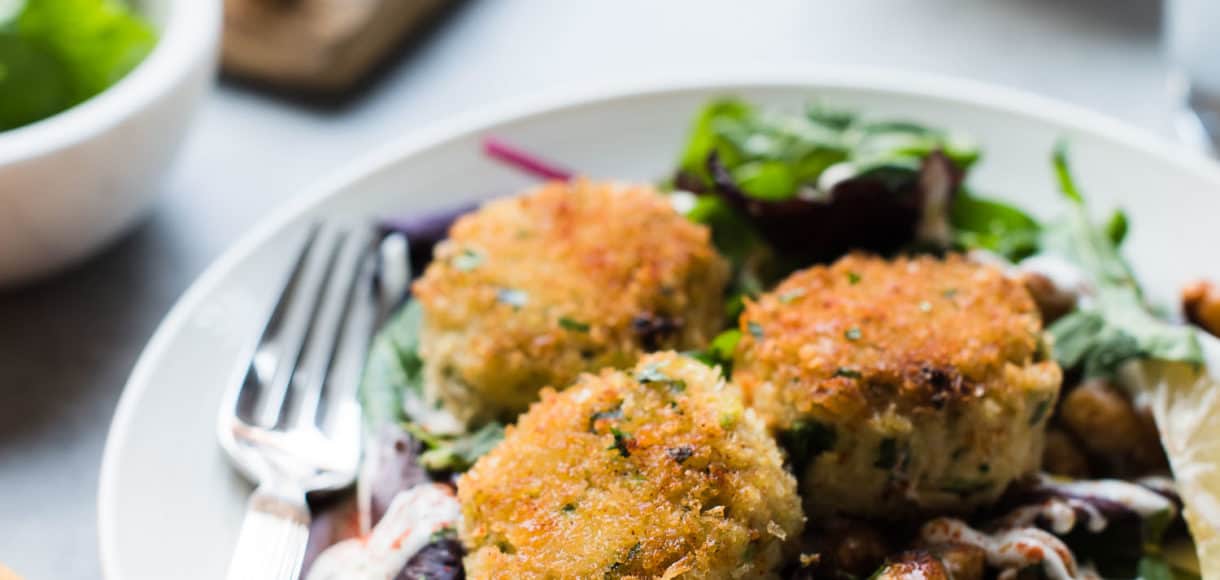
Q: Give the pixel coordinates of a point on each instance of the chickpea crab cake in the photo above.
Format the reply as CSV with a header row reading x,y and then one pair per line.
x,y
572,277
657,472
900,387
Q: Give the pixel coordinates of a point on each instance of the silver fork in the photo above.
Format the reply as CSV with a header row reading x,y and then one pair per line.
x,y
291,423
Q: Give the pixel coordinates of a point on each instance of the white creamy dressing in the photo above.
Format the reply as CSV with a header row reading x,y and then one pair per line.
x,y
394,254
1067,279
836,174
1061,513
1159,483
682,201
1136,498
408,525
1010,550
434,420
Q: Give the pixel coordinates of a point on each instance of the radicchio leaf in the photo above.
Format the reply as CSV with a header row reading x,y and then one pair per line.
x,y
879,210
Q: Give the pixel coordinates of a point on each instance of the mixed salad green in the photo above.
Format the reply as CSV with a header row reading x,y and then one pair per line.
x,y
772,186
782,191
55,54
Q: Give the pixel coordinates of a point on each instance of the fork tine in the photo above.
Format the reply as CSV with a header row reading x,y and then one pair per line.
x,y
265,357
342,419
312,376
286,337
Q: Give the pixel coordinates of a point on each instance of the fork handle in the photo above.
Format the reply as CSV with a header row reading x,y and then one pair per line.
x,y
271,544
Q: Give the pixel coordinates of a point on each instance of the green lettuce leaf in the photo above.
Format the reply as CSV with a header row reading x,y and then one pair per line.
x,y
34,83
772,154
62,52
994,226
455,453
1117,326
393,367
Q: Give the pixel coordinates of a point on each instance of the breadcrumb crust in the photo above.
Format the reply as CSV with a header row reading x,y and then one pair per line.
x,y
657,473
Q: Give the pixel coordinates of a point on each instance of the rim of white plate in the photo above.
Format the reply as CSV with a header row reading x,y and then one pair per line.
x,y
925,85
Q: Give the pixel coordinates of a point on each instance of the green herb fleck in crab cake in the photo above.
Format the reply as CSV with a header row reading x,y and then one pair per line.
x,y
574,276
657,472
900,387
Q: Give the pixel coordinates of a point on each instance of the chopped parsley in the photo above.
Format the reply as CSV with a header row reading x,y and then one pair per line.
x,y
728,419
622,442
568,508
720,351
1039,412
887,454
609,414
573,325
789,296
847,373
511,297
756,329
852,333
949,293
805,441
616,569
651,373
468,260
853,278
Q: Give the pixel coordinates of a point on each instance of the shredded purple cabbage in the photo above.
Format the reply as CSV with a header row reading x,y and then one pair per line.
x,y
523,161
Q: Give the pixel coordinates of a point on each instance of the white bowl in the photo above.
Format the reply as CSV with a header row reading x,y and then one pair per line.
x,y
168,499
76,180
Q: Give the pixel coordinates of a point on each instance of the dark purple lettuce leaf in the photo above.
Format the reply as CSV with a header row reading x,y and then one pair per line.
x,y
396,457
424,232
440,560
879,211
1117,548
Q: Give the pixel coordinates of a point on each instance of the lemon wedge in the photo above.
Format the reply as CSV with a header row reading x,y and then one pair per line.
x,y
1185,400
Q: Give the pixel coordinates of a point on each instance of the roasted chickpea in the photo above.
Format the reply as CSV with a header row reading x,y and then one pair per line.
x,y
1104,420
841,544
914,565
1053,302
859,550
961,561
1063,455
1201,305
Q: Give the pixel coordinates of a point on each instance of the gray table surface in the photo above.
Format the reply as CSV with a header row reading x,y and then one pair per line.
x,y
67,344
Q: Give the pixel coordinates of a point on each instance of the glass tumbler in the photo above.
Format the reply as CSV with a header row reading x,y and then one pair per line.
x,y
1192,43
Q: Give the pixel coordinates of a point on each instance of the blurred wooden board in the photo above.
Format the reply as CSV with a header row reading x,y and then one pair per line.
x,y
318,46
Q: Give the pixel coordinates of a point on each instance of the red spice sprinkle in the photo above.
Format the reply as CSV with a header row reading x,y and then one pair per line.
x,y
397,543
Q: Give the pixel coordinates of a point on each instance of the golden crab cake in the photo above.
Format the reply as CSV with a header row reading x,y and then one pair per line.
x,y
653,472
571,277
900,387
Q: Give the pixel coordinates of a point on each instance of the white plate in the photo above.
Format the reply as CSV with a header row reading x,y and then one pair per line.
x,y
170,505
